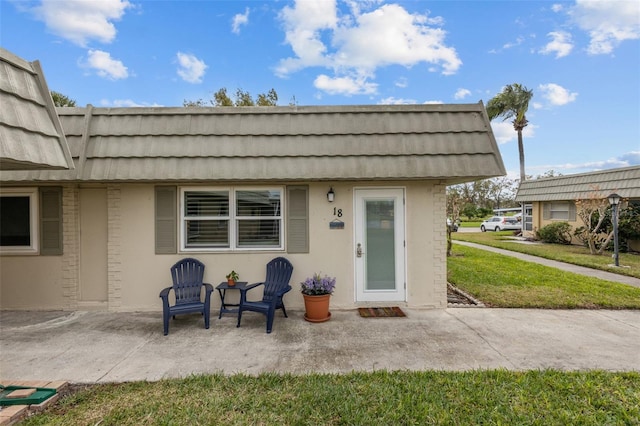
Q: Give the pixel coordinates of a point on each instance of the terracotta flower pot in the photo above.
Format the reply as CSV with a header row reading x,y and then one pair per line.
x,y
231,282
317,307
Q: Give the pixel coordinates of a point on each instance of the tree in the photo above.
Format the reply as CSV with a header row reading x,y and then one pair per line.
x,y
242,98
220,98
592,211
453,215
502,190
61,100
485,194
549,174
267,99
513,102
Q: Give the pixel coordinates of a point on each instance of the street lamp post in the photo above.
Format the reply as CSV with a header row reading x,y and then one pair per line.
x,y
614,200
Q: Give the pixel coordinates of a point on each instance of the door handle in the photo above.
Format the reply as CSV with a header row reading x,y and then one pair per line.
x,y
359,250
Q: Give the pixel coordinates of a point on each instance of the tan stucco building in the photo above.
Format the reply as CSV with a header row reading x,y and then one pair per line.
x,y
236,187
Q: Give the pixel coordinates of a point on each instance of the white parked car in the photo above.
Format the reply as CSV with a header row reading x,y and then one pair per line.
x,y
501,223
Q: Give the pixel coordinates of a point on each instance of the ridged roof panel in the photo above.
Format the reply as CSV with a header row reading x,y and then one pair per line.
x,y
445,142
623,181
30,133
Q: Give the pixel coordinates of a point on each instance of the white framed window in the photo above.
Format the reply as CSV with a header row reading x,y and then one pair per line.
x,y
559,210
19,220
230,219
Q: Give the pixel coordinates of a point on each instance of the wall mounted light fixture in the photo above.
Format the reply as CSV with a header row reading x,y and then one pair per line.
x,y
331,195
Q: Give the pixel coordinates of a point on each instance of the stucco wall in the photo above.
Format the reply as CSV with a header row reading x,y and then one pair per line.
x,y
135,274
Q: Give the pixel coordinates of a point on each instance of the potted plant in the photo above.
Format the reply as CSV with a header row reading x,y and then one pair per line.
x,y
316,291
232,277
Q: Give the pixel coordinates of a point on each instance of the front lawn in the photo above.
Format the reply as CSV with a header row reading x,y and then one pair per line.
x,y
507,282
577,255
379,398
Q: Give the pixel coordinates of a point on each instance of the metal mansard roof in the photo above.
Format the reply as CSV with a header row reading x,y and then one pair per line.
x,y
31,137
623,181
452,143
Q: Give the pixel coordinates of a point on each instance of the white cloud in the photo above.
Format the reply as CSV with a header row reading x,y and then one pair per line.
x,y
239,20
560,44
511,44
390,35
126,103
557,95
358,43
402,82
631,158
106,66
303,25
625,160
608,22
345,85
557,7
461,93
396,101
434,102
504,132
190,68
80,21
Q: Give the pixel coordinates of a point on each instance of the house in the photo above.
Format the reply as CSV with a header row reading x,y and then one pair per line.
x,y
31,136
356,192
548,200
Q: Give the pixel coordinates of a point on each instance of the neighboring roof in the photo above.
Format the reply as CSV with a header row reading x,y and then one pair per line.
x,y
452,143
31,136
624,182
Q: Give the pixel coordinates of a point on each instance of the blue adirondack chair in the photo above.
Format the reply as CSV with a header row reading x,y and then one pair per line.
x,y
275,286
187,275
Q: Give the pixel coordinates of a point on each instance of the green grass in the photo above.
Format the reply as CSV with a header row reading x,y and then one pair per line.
x,y
507,282
573,254
470,224
378,398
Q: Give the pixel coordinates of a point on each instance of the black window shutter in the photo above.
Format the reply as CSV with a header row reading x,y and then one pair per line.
x,y
51,221
298,219
166,219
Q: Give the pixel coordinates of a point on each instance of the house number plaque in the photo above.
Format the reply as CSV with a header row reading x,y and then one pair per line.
x,y
336,223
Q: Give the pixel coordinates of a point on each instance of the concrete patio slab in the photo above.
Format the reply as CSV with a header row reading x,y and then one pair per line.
x,y
90,347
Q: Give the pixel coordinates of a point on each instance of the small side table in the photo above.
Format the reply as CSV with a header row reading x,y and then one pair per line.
x,y
222,290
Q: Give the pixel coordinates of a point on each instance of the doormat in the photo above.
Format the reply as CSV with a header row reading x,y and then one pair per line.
x,y
392,311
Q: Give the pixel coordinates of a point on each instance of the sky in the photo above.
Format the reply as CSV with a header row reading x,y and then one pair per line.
x,y
580,58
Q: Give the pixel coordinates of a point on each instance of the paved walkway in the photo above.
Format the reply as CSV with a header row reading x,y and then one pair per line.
x,y
609,276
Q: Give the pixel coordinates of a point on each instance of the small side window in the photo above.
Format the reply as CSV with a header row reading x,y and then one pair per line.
x,y
19,220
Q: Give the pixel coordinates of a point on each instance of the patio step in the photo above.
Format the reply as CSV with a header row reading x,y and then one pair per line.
x,y
12,414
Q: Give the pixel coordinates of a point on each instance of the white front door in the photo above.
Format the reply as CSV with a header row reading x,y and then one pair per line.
x,y
379,245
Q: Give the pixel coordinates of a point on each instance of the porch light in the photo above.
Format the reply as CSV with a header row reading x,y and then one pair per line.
x,y
331,195
614,200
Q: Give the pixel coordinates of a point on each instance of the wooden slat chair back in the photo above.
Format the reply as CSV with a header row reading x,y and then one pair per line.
x,y
276,284
187,275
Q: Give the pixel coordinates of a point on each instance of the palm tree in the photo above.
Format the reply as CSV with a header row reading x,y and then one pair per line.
x,y
512,102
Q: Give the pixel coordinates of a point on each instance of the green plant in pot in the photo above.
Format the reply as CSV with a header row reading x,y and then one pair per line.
x,y
232,278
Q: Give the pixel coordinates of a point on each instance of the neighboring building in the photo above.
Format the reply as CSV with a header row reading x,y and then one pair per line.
x,y
553,199
31,137
236,187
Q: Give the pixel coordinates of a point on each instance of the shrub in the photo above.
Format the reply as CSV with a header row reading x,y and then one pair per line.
x,y
555,233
